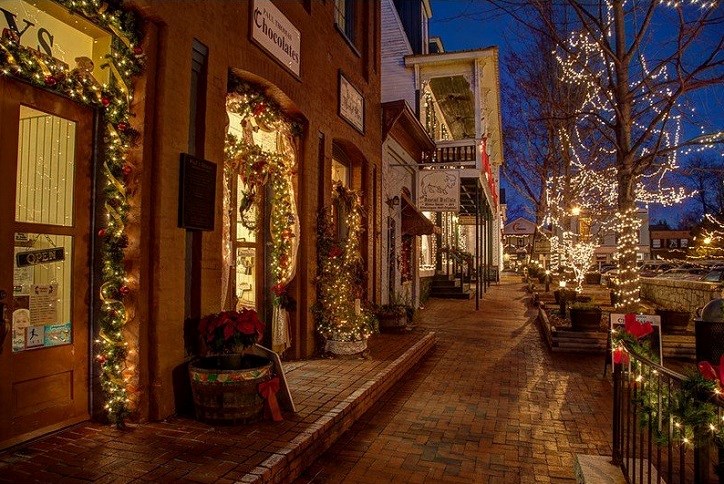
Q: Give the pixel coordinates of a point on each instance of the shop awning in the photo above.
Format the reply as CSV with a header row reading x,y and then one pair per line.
x,y
414,221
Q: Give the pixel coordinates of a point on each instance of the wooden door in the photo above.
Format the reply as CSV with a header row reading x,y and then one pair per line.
x,y
45,208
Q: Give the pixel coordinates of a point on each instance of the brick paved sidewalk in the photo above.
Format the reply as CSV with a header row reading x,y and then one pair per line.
x,y
329,395
490,404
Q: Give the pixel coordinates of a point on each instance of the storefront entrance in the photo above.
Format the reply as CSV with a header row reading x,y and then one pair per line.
x,y
45,257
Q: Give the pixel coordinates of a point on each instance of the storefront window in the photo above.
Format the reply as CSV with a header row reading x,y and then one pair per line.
x,y
42,288
340,173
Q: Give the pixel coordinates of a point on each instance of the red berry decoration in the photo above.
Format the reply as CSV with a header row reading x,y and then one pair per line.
x,y
259,108
105,101
127,170
50,81
101,359
122,126
138,50
124,290
102,233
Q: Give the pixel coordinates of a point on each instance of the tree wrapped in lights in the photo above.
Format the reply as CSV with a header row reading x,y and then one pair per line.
x,y
637,95
117,375
340,272
580,258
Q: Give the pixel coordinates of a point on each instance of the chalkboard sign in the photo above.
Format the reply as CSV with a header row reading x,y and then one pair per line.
x,y
197,193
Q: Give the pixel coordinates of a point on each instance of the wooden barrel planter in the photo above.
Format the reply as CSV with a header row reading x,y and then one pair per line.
x,y
225,387
586,319
674,321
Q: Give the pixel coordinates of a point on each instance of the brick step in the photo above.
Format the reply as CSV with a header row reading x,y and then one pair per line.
x,y
460,294
446,283
287,463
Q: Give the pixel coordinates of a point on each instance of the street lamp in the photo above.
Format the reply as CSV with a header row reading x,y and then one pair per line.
x,y
548,280
562,298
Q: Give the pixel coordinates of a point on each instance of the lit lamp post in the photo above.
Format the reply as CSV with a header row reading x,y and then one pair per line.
x,y
548,280
562,298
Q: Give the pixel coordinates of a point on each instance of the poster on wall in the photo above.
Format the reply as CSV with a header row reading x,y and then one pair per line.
x,y
438,190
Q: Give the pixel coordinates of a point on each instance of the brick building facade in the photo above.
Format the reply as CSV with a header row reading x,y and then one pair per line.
x,y
192,53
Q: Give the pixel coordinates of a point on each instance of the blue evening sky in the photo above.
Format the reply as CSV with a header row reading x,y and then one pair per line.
x,y
453,23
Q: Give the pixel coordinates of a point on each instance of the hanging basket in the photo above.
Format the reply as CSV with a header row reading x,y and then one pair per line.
x,y
225,387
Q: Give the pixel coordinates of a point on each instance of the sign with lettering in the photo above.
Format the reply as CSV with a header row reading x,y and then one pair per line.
x,y
466,220
438,190
351,104
44,32
274,33
35,257
197,193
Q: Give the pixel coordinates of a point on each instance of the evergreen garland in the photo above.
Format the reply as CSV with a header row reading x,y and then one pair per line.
x,y
113,100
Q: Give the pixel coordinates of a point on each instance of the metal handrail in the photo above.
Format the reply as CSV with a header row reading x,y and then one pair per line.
x,y
635,449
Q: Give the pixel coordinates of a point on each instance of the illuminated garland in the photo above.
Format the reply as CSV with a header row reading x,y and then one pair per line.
x,y
114,99
257,168
691,411
340,274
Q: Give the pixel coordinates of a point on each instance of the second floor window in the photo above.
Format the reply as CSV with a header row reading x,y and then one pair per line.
x,y
344,17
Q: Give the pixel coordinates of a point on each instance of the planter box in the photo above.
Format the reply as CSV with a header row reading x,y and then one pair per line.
x,y
225,387
345,348
392,322
586,319
673,321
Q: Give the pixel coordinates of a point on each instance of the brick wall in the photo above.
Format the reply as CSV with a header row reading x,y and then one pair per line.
x,y
224,28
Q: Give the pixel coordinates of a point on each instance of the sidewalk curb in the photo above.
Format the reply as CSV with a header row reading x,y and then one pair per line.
x,y
288,462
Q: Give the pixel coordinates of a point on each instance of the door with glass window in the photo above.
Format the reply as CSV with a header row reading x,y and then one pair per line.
x,y
45,198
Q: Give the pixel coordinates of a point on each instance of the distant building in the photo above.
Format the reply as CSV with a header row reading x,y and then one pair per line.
x,y
667,243
518,244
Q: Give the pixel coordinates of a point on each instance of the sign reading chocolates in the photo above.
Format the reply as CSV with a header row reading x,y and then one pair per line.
x,y
274,33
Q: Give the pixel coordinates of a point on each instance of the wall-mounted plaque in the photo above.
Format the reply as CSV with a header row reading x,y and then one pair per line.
x,y
197,193
351,104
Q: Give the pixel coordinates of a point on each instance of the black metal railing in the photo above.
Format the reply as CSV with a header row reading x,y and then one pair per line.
x,y
649,444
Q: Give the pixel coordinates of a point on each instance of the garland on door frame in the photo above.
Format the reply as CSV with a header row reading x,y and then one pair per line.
x,y
114,99
340,273
257,168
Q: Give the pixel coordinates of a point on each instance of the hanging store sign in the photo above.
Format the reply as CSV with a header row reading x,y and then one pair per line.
x,y
351,104
466,220
35,257
438,190
274,33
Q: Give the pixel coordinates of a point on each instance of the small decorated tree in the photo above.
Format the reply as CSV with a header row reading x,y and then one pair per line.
x,y
339,315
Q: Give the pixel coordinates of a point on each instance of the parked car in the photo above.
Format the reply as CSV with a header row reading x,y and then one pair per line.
x,y
654,268
717,275
684,274
606,267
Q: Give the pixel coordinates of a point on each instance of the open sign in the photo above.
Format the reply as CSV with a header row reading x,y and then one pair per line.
x,y
35,257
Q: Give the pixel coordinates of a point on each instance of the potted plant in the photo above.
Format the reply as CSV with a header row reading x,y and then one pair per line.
x,y
392,316
674,320
585,316
225,383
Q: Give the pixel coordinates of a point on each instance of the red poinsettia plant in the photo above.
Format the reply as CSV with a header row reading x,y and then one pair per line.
x,y
227,331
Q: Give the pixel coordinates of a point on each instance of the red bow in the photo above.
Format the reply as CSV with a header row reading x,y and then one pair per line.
x,y
637,329
269,390
711,372
620,356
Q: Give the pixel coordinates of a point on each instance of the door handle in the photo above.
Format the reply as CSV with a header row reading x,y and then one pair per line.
x,y
4,326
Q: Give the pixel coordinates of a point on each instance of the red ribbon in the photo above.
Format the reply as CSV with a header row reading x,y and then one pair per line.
x,y
268,390
711,372
620,356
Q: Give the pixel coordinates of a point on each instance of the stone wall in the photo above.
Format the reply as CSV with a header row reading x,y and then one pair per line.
x,y
675,294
